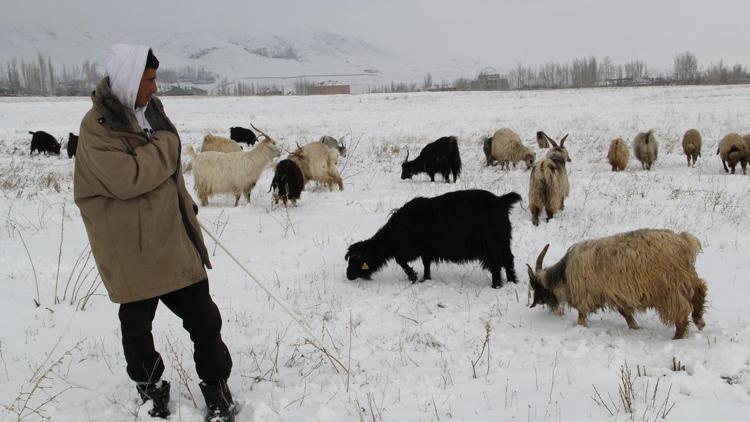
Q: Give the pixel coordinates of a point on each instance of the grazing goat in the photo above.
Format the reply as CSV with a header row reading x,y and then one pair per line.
x,y
43,142
287,183
72,144
441,156
460,226
334,143
242,135
317,162
627,272
232,172
219,144
691,145
541,140
618,155
646,149
732,150
507,147
548,183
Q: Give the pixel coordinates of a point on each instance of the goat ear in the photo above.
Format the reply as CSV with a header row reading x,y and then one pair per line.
x,y
562,141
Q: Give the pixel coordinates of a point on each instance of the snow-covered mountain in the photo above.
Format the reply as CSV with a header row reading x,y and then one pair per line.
x,y
253,56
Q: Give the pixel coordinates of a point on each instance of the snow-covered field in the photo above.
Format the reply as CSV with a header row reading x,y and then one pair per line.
x,y
415,352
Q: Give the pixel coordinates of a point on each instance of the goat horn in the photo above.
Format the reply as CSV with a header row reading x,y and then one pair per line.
x,y
551,141
261,132
540,258
407,156
562,141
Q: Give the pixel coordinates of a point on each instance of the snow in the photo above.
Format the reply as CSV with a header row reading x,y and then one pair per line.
x,y
410,347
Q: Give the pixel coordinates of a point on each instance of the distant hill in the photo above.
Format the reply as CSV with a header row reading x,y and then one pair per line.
x,y
252,57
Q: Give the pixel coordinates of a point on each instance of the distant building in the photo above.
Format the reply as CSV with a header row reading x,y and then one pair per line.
x,y
489,80
329,88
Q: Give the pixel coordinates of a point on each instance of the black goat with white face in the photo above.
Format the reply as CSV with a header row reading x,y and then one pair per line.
x,y
461,226
441,156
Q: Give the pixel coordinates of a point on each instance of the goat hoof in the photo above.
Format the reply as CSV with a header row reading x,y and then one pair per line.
x,y
497,285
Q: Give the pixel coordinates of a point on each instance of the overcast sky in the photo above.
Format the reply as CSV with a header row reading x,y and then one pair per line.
x,y
503,32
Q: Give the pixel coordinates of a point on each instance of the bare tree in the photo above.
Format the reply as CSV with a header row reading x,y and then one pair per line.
x,y
685,67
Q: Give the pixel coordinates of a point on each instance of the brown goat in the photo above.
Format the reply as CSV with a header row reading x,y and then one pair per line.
x,y
618,155
691,145
732,150
627,272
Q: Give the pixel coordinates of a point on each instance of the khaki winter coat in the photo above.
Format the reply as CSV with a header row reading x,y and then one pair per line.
x,y
139,217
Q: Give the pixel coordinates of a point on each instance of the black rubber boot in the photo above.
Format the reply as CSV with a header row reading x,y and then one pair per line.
x,y
158,393
221,407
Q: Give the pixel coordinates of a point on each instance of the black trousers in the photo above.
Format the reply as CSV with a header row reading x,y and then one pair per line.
x,y
200,317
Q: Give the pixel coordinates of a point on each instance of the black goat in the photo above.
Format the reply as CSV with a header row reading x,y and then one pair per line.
x,y
288,182
72,144
241,135
460,226
441,156
43,142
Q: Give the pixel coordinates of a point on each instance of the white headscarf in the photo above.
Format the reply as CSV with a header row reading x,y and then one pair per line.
x,y
125,66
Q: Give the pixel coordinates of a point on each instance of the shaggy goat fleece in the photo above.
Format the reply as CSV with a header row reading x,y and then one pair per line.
x,y
633,271
507,148
219,144
691,145
548,188
235,172
318,162
618,155
646,149
732,150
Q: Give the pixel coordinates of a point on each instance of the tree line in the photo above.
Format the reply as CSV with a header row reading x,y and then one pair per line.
x,y
41,77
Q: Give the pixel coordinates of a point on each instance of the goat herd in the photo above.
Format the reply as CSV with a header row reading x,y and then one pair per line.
x,y
627,272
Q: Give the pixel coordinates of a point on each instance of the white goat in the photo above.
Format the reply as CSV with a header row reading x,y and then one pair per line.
x,y
318,162
234,172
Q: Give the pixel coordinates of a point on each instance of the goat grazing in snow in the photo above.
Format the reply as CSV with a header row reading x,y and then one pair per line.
x,y
646,149
438,157
317,161
691,145
618,155
507,148
460,226
732,150
627,272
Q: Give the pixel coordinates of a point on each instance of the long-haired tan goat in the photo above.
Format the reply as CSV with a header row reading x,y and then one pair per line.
x,y
318,162
219,144
627,272
233,172
732,150
646,149
507,148
618,155
548,183
691,146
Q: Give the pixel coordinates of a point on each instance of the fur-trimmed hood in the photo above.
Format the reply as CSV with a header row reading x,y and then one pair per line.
x,y
117,117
